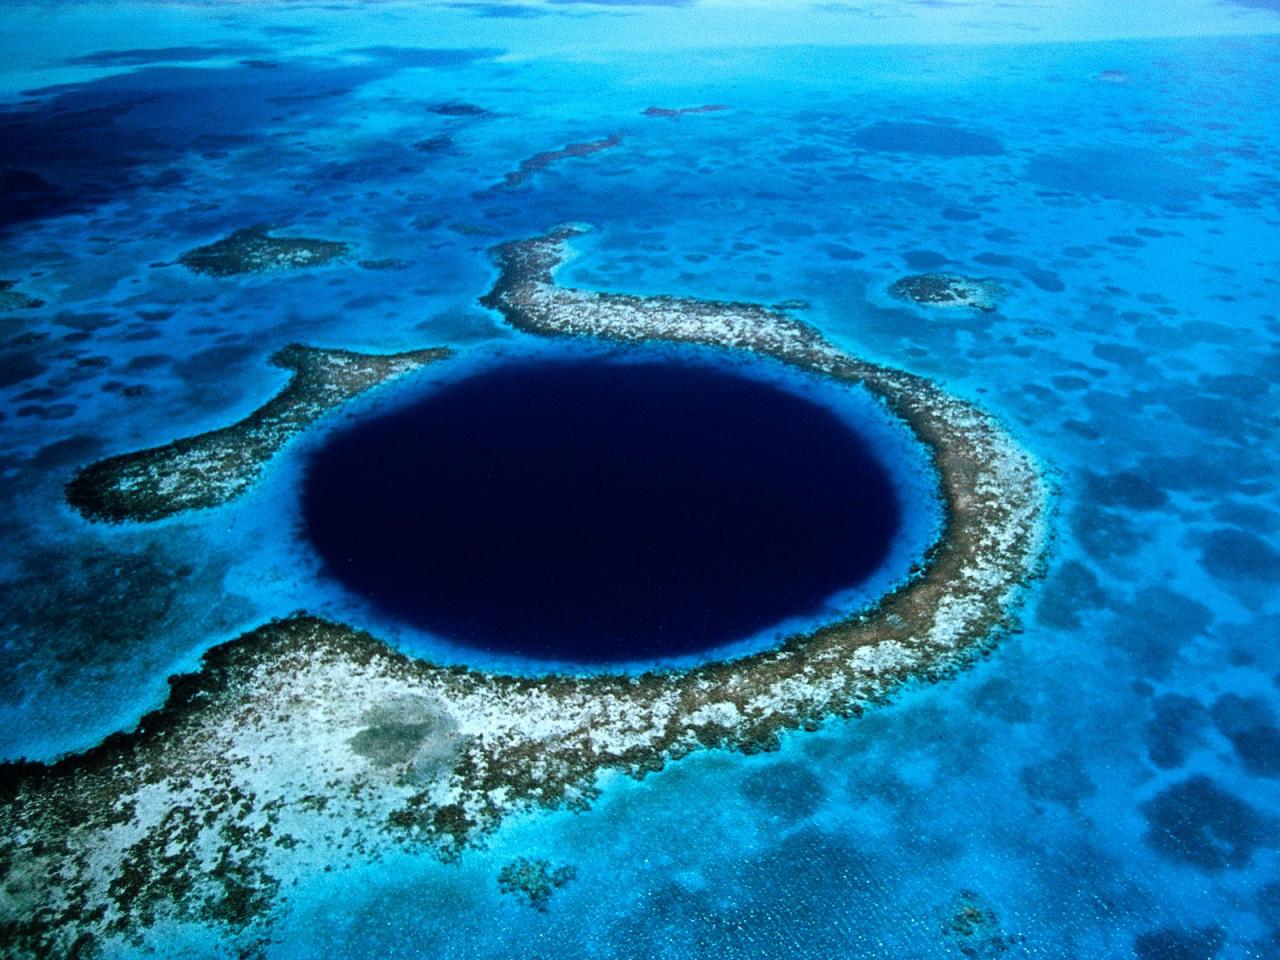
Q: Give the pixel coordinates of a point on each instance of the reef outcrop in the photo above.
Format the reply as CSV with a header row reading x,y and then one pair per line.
x,y
209,469
674,112
948,290
255,250
306,745
534,880
541,161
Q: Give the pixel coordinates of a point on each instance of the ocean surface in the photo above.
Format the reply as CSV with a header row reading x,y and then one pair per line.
x,y
1106,784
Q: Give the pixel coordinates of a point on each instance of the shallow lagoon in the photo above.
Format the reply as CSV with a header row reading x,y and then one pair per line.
x,y
1104,785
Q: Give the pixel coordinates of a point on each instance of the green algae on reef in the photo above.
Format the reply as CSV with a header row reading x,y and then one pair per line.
x,y
214,467
306,745
254,250
948,290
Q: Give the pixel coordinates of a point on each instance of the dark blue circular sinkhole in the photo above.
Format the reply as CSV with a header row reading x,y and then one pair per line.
x,y
601,508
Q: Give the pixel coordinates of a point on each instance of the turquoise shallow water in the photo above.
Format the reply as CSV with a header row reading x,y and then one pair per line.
x,y
1106,784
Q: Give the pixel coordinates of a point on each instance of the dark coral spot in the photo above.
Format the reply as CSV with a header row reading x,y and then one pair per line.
x,y
1158,624
149,361
1105,534
1041,277
19,367
785,789
924,259
838,252
930,139
1269,908
1230,553
1000,698
1249,723
456,108
534,880
1138,176
1121,355
1175,727
437,144
1172,943
970,924
426,57
1198,823
1071,589
1125,489
1124,240
1242,386
1068,382
145,56
1060,779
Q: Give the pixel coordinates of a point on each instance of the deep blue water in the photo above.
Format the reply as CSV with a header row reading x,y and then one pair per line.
x,y
1106,782
590,510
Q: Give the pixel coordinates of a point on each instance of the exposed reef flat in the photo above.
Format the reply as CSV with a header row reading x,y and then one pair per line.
x,y
948,290
11,299
254,250
306,745
212,468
